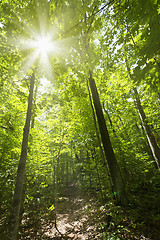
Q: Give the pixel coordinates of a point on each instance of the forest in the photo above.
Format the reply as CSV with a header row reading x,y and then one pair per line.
x,y
79,119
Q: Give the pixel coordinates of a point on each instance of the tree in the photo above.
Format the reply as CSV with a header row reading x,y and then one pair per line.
x,y
118,184
151,139
15,212
96,36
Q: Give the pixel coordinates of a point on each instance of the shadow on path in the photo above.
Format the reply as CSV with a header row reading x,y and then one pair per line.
x,y
75,219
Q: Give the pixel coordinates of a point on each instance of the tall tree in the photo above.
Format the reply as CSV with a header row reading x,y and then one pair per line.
x,y
151,139
17,201
118,184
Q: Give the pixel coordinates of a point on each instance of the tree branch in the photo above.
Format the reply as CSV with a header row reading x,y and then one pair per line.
x,y
84,18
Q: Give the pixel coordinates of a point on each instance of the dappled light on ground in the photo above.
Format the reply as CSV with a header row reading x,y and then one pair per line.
x,y
80,216
75,219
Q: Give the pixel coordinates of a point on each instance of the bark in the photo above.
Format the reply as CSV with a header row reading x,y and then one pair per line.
x,y
54,177
99,185
99,141
34,107
89,170
151,139
109,118
118,184
15,212
125,171
58,170
67,173
97,134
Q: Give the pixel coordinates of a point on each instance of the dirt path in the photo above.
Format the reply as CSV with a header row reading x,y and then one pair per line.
x,y
75,217
78,216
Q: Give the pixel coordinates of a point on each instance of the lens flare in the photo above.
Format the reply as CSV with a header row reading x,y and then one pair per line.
x,y
44,45
41,47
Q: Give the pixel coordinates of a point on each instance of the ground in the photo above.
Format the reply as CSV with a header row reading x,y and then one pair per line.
x,y
76,218
79,215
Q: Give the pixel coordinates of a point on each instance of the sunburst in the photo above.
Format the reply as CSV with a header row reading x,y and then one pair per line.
x,y
41,46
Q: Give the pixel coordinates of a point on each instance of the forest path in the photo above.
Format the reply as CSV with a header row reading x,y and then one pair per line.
x,y
80,217
76,217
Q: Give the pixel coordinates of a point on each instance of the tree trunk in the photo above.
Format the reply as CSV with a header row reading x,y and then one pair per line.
x,y
97,134
125,171
99,185
99,140
151,139
67,174
15,212
34,108
118,185
89,170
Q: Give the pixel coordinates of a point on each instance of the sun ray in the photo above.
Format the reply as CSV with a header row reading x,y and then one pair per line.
x,y
41,43
29,61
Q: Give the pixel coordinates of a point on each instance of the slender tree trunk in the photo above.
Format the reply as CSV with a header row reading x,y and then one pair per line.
x,y
15,212
125,171
97,134
89,170
151,139
98,175
54,177
34,108
99,140
62,171
58,170
67,173
118,184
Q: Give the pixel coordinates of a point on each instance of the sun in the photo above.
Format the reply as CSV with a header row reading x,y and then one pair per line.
x,y
41,47
44,45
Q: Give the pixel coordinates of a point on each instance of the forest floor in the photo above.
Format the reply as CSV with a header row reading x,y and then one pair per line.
x,y
80,216
75,219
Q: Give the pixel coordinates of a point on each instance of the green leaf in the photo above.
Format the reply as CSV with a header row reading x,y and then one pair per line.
x,y
52,208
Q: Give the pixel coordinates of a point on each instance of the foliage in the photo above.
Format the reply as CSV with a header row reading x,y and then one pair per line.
x,y
63,145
